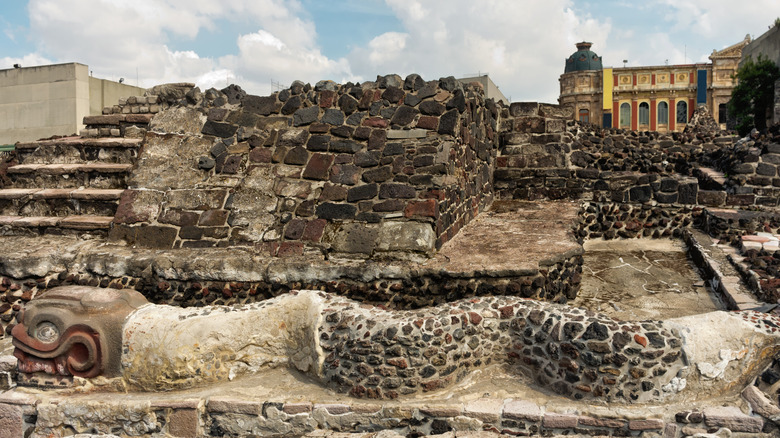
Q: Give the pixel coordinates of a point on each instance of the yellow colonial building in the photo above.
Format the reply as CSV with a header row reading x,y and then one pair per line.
x,y
652,98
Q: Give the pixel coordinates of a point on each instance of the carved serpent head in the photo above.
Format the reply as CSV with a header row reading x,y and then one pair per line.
x,y
72,331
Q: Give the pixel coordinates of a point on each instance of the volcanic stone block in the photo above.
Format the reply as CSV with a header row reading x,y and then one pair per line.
x,y
348,104
378,174
448,122
291,105
406,236
330,211
318,167
404,115
293,137
318,143
530,124
306,116
297,156
766,169
688,191
359,193
395,190
432,108
640,194
219,129
355,238
345,146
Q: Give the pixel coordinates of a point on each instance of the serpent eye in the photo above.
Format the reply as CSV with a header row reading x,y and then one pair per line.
x,y
47,332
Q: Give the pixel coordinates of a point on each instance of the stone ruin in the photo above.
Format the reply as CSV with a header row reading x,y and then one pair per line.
x,y
392,256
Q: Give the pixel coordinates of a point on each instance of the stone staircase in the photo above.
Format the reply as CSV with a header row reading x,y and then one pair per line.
x,y
66,185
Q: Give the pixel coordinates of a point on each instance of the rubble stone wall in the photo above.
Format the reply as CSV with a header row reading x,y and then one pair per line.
x,y
387,167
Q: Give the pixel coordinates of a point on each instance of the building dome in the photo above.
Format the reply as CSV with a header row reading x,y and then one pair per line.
x,y
583,59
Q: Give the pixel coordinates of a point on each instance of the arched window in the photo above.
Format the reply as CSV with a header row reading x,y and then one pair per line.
x,y
584,115
723,113
625,115
663,113
644,113
682,112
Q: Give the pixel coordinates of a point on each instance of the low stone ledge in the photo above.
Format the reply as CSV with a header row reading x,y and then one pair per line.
x,y
484,409
234,405
560,421
523,410
760,403
733,419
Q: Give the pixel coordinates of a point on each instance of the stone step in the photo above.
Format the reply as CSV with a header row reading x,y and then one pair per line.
x,y
710,179
70,175
75,222
117,119
59,202
68,150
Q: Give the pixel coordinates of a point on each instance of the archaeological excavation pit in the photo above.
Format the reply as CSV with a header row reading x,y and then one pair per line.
x,y
643,279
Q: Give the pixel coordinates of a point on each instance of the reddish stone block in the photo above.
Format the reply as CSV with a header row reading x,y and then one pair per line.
x,y
428,122
502,161
319,128
290,249
333,193
213,218
646,424
184,423
178,217
559,421
318,167
327,98
375,122
11,421
294,229
260,155
641,340
421,208
399,362
377,139
297,408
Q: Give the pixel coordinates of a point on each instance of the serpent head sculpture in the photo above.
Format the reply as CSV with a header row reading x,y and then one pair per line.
x,y
72,331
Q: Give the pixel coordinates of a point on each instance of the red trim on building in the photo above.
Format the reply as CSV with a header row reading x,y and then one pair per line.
x,y
634,105
614,78
672,113
652,79
615,113
693,73
634,79
671,78
652,112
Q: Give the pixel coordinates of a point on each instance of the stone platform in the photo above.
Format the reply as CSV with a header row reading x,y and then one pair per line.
x,y
515,248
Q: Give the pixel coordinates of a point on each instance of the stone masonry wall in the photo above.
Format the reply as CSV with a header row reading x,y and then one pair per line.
x,y
388,168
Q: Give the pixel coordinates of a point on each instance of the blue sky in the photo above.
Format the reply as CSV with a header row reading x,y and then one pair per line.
x,y
522,44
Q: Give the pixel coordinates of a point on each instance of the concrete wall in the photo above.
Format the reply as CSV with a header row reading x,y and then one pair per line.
x,y
103,93
491,89
39,102
767,45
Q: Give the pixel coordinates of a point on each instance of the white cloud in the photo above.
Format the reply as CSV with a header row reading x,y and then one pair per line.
x,y
513,41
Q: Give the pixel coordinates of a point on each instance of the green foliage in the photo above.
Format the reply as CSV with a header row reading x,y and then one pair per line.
x,y
777,21
754,93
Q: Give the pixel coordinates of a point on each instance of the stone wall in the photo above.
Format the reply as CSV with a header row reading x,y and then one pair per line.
x,y
386,168
572,351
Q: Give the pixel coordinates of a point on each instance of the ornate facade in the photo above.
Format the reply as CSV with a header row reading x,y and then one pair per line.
x,y
652,98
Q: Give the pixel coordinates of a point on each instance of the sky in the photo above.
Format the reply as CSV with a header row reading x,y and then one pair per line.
x,y
263,45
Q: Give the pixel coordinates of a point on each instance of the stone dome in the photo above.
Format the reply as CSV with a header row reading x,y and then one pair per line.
x,y
583,59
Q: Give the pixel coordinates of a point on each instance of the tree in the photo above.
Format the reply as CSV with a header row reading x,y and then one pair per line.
x,y
754,93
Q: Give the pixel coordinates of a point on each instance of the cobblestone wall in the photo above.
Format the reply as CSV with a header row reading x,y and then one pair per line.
x,y
392,167
572,351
